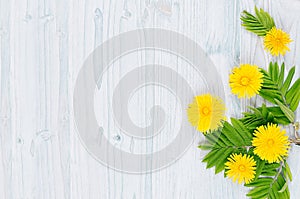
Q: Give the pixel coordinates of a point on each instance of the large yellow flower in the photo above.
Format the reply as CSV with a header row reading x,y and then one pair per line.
x,y
246,80
271,143
276,41
206,112
241,168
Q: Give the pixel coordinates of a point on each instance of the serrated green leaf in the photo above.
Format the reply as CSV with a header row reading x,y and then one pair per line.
x,y
274,87
264,110
258,191
269,173
259,24
281,75
275,74
277,186
272,166
288,172
293,95
242,130
260,182
274,70
274,115
232,135
282,120
269,187
264,18
272,194
287,112
256,111
214,160
225,140
205,146
270,116
287,193
209,155
212,137
269,95
220,166
288,81
259,168
283,187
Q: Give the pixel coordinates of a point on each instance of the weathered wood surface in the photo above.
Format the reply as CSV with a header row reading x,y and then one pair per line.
x,y
43,45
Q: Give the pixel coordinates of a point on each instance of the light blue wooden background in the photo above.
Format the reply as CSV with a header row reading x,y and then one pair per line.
x,y
43,45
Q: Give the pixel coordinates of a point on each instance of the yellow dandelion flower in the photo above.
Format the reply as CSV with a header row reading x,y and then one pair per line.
x,y
241,168
206,112
246,80
276,41
271,143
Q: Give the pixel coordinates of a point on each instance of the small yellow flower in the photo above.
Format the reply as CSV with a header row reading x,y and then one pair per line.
x,y
246,80
271,143
206,112
241,168
276,41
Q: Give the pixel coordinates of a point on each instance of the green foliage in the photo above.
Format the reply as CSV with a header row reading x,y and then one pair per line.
x,y
268,187
271,184
259,24
232,138
287,112
278,90
287,171
293,95
271,180
264,115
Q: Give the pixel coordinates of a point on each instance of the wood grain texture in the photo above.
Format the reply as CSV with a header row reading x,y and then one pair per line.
x,y
43,45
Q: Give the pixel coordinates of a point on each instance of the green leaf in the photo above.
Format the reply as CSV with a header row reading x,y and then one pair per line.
x,y
205,146
267,187
288,81
283,187
269,173
259,24
271,166
259,168
242,131
260,182
279,185
287,171
212,138
281,75
225,140
270,116
270,94
232,135
220,166
259,191
282,120
273,70
276,88
214,160
287,112
272,187
293,95
209,155
264,115
218,157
